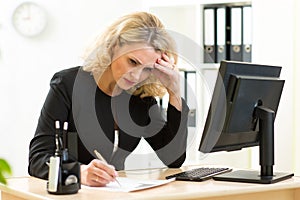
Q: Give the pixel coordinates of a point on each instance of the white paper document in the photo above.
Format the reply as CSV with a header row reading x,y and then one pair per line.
x,y
130,185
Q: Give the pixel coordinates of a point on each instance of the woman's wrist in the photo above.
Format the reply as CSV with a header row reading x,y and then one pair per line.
x,y
175,100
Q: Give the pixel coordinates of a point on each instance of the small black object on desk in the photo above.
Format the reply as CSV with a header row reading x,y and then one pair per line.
x,y
64,172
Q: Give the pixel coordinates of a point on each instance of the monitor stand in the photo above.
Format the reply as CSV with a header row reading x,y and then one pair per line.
x,y
246,176
266,155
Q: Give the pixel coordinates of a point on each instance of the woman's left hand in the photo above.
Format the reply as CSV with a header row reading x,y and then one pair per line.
x,y
168,74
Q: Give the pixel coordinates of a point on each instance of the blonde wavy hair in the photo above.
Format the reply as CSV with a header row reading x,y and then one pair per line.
x,y
138,27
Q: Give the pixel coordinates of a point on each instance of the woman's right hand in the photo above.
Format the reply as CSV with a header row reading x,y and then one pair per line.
x,y
97,173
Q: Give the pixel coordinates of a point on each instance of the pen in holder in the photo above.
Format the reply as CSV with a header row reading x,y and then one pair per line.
x,y
64,172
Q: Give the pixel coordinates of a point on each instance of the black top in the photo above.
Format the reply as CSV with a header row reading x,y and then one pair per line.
x,y
68,101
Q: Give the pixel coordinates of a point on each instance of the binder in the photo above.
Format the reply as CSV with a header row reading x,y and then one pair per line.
x,y
163,103
183,83
190,93
209,35
247,33
221,34
236,34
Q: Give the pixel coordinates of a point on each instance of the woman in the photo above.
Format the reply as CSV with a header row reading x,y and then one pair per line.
x,y
131,64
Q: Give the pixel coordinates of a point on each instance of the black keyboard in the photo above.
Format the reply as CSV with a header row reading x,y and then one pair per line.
x,y
199,174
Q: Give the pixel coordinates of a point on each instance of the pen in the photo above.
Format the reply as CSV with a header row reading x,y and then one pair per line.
x,y
100,157
64,134
57,138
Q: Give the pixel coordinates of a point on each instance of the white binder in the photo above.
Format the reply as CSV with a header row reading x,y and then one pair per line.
x,y
221,34
236,34
209,35
247,33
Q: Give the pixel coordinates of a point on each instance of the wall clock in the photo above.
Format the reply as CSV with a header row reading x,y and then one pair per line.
x,y
29,19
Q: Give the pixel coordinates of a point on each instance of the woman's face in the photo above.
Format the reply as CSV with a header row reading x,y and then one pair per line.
x,y
133,64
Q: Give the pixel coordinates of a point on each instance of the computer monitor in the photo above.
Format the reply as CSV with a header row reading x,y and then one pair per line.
x,y
241,114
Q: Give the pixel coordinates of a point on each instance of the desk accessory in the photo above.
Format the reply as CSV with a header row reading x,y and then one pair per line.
x,y
64,172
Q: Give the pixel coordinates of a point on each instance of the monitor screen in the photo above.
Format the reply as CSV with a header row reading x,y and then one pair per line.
x,y
243,91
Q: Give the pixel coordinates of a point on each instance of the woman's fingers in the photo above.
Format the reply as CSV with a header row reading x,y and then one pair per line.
x,y
104,170
161,68
165,63
97,173
168,59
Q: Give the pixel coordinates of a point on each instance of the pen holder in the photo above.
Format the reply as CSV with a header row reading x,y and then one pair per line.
x,y
64,176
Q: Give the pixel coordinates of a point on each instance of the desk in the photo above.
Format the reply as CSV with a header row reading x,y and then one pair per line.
x,y
32,188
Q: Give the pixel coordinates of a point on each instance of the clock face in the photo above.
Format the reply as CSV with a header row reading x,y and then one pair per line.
x,y
29,19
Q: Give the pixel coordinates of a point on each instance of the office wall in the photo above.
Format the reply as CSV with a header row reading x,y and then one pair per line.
x,y
296,91
273,43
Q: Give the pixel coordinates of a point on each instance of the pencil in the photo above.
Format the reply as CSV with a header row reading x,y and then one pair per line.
x,y
100,157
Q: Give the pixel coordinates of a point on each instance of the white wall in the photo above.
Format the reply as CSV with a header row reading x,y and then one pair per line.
x,y
273,43
296,91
